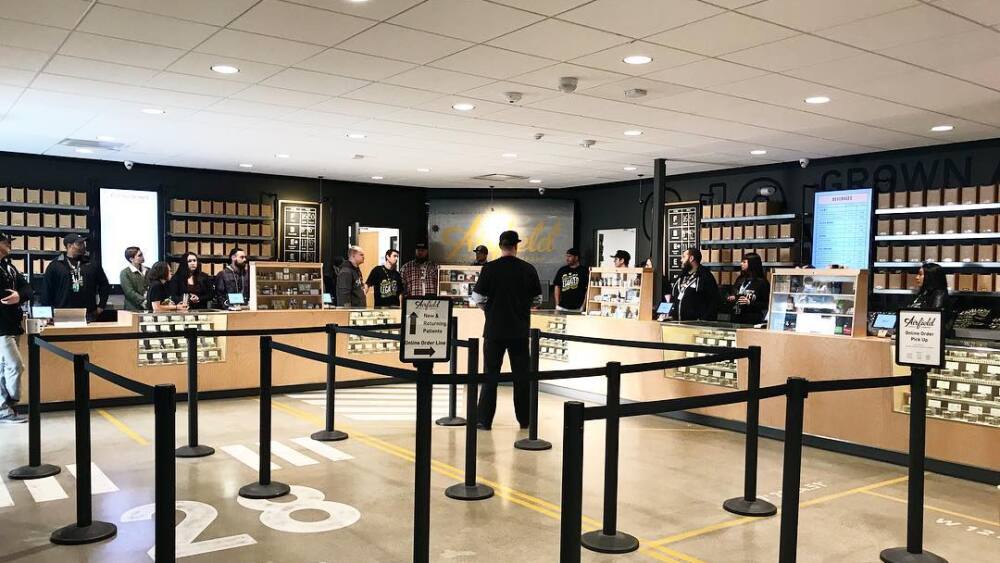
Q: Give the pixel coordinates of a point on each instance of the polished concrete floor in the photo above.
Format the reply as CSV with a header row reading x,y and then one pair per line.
x,y
353,499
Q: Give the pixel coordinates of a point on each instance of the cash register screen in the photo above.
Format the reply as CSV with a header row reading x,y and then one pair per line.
x,y
885,320
664,308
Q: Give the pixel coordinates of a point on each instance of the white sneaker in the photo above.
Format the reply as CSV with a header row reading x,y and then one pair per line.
x,y
8,416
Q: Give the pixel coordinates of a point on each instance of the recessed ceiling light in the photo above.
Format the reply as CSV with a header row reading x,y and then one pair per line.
x,y
463,106
629,168
282,155
85,151
356,135
758,152
225,69
153,111
942,128
357,1
817,99
106,138
246,165
423,169
509,155
638,59
535,181
633,133
376,177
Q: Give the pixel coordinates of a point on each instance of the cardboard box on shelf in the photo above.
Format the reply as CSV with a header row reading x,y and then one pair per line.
x,y
967,253
915,226
771,256
949,253
718,277
949,225
788,254
787,230
727,209
255,229
49,197
193,206
230,207
218,208
49,221
885,200
895,280
883,227
219,249
950,281
899,226
727,232
916,198
37,265
985,252
64,198
205,227
255,210
194,246
243,209
932,197
932,225
266,230
254,249
969,195
966,282
713,255
763,208
773,231
968,224
34,242
4,218
900,199
33,195
265,250
988,193
951,196
230,229
716,210
79,221
242,230
178,205
881,253
205,248
984,283
192,227
716,233
987,223
218,228
726,255
205,207
706,233
760,232
898,253
266,210
178,247
914,254
17,195
932,253
17,218
911,281
32,219
880,280
739,209
17,242
51,243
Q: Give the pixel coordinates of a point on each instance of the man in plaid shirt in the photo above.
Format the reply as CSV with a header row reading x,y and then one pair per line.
x,y
420,275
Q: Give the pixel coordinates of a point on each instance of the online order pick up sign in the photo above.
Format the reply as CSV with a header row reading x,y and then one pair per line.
x,y
426,330
920,338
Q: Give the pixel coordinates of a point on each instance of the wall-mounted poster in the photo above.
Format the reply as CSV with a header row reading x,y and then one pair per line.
x,y
681,226
299,231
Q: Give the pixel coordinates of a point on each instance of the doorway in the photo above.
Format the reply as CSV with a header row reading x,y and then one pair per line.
x,y
609,241
375,241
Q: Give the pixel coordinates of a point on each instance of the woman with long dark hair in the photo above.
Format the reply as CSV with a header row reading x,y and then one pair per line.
x,y
933,290
159,294
191,281
749,295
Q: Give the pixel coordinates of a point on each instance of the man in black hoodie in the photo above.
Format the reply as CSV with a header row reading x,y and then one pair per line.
x,y
695,294
74,282
14,290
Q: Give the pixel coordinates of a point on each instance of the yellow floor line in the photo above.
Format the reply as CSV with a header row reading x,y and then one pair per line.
x,y
936,509
123,427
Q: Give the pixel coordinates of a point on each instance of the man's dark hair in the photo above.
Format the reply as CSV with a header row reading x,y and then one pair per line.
x,y
234,251
694,253
390,251
158,272
130,253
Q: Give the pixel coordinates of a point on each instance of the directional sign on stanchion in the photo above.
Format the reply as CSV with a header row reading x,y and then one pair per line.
x,y
426,330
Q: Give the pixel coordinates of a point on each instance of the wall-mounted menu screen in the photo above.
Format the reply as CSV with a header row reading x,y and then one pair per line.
x,y
299,231
842,229
133,221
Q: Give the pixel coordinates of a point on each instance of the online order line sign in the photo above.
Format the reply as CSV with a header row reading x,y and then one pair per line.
x,y
426,330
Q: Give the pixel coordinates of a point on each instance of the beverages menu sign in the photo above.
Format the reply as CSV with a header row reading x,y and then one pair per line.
x,y
299,231
920,339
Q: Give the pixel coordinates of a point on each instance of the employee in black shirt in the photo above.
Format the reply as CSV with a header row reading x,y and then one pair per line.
x,y
482,255
695,294
748,297
73,282
507,289
160,296
571,283
386,282
234,279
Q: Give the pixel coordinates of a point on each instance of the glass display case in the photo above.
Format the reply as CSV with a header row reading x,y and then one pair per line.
x,y
286,285
552,348
457,282
826,301
155,350
722,374
623,293
362,345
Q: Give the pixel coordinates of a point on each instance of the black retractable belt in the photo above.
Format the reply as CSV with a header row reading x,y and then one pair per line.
x,y
532,442
453,419
329,433
749,504
470,489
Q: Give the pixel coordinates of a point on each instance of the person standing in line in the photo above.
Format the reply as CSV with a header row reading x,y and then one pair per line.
x,y
234,278
386,282
350,287
191,281
482,255
133,280
507,289
73,282
14,290
420,275
571,283
160,296
749,296
695,294
622,258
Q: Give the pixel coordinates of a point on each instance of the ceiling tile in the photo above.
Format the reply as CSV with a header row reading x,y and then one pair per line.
x,y
640,18
321,118
216,12
548,77
31,36
89,46
492,62
442,106
354,107
379,10
255,47
945,52
400,43
315,82
852,72
356,65
15,77
986,12
721,34
707,72
612,59
438,80
252,109
616,90
935,92
23,59
98,70
547,7
195,84
776,89
985,72
300,23
791,53
472,20
810,15
901,27
55,13
200,64
557,40
138,95
392,95
147,28
493,92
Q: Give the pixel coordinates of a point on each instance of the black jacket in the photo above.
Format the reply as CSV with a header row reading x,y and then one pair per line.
x,y
229,281
695,296
758,291
57,286
11,315
204,288
937,299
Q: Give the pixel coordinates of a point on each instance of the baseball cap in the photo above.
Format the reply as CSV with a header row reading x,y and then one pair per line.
x,y
421,245
573,252
74,238
4,237
623,255
509,238
480,248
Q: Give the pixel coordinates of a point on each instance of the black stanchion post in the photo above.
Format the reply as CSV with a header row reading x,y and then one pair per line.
x,y
914,550
329,433
193,449
453,419
422,466
608,539
264,487
795,398
749,504
165,472
86,529
470,489
532,442
35,468
572,483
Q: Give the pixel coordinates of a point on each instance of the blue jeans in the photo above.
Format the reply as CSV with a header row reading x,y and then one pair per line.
x,y
11,367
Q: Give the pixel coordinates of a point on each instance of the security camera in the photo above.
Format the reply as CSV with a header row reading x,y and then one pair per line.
x,y
128,164
803,162
567,84
512,97
541,191
766,191
538,136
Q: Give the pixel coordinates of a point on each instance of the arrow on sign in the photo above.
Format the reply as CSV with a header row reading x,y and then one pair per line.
x,y
424,351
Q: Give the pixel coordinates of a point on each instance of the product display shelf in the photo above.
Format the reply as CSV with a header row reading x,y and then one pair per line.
x,y
457,282
819,301
552,348
721,374
361,345
157,349
728,231
777,218
286,285
38,219
187,215
624,293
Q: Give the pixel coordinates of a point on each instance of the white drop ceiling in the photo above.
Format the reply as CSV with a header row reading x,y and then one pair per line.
x,y
727,77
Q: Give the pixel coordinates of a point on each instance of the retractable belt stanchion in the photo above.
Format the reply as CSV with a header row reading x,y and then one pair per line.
x,y
86,529
35,468
453,419
422,466
165,472
193,449
470,489
608,539
749,504
264,487
792,471
532,442
572,483
329,434
914,551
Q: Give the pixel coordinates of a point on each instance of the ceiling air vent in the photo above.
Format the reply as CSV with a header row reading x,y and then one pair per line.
x,y
88,144
500,177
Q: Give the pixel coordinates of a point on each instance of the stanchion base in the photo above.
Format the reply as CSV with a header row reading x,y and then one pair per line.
x,y
601,543
744,507
328,436
450,421
79,535
273,489
461,491
900,555
194,451
26,472
533,445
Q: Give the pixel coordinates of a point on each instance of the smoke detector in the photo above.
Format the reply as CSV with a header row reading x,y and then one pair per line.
x,y
567,84
587,143
635,93
512,97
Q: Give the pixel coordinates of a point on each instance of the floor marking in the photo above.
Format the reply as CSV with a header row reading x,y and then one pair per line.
x,y
99,482
376,409
45,489
935,509
329,452
247,457
5,498
297,459
123,427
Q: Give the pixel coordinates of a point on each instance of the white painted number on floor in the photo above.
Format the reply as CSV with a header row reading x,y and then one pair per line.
x,y
197,517
278,515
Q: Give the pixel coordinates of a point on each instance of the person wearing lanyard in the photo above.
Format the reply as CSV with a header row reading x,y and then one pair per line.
x,y
386,281
507,289
695,294
234,279
420,275
73,282
750,292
